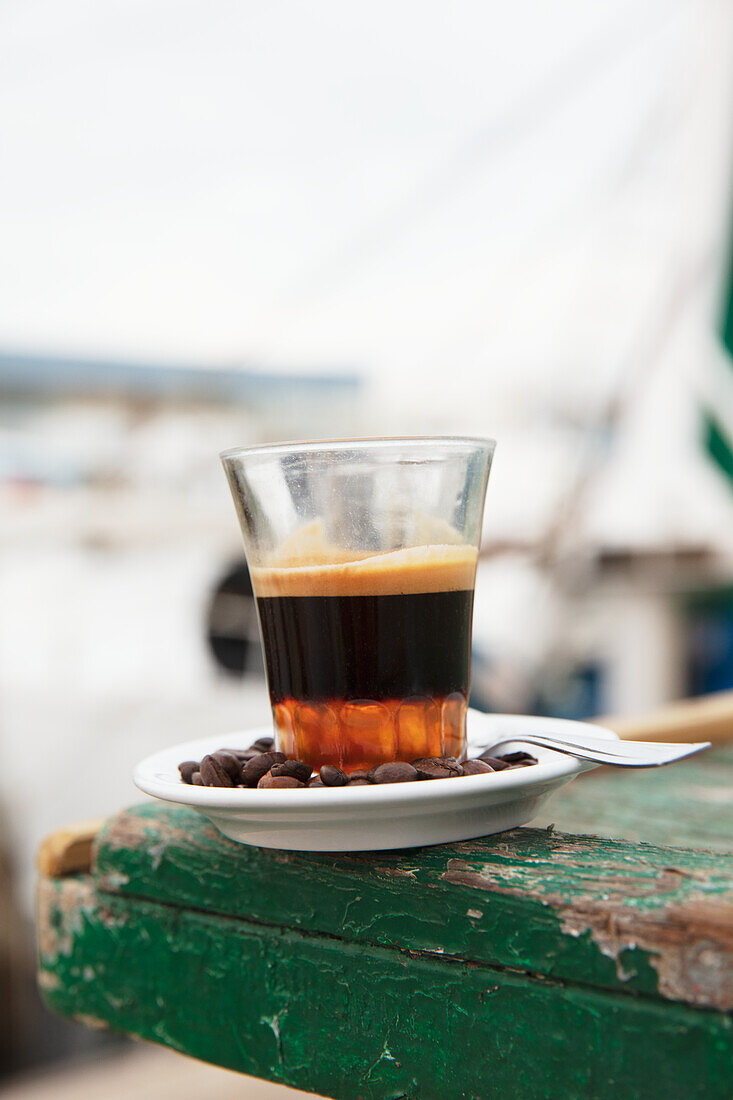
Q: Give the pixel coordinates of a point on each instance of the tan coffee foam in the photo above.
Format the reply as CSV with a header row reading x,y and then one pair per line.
x,y
310,545
398,572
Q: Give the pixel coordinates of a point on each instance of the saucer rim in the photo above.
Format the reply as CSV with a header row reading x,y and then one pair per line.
x,y
156,774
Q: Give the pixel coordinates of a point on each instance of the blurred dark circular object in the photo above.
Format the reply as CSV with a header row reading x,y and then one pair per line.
x,y
231,624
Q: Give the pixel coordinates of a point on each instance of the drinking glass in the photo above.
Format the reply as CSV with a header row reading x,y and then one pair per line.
x,y
363,555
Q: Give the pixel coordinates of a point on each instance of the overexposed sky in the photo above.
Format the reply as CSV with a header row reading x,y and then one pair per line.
x,y
498,191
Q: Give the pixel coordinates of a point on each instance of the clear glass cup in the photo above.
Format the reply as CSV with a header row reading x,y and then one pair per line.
x,y
363,555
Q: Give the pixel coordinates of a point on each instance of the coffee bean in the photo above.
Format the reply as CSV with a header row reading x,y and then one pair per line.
x,y
263,744
496,762
430,767
476,767
296,768
331,776
451,763
230,763
278,781
519,758
259,765
395,772
214,774
187,768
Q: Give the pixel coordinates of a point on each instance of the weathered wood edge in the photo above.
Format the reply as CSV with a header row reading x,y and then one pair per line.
x,y
68,850
686,806
352,1021
630,917
702,718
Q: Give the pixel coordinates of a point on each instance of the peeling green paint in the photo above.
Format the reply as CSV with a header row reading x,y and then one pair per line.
x,y
591,911
353,1020
533,964
688,806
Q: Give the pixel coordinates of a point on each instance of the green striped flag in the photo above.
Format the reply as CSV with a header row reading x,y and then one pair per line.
x,y
718,414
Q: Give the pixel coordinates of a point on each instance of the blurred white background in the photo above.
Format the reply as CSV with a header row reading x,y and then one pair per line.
x,y
511,220
507,191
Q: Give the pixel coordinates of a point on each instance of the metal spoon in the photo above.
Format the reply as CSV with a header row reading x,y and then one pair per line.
x,y
623,754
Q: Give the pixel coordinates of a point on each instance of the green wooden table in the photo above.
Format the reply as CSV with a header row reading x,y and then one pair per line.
x,y
535,964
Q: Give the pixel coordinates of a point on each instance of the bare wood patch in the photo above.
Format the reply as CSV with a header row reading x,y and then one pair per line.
x,y
60,913
68,851
690,945
49,981
128,830
91,1021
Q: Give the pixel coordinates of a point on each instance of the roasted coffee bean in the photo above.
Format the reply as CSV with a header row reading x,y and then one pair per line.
x,y
476,767
214,774
331,776
395,772
296,768
229,762
276,781
187,768
448,764
259,765
263,744
247,767
451,763
431,767
496,763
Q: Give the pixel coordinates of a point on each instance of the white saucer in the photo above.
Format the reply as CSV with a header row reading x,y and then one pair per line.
x,y
379,817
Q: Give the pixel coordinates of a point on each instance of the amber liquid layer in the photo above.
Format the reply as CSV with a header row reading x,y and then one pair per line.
x,y
359,733
355,680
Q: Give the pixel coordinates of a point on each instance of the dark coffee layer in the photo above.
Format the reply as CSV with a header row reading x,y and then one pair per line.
x,y
367,647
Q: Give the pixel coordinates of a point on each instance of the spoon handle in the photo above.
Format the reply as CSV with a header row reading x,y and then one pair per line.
x,y
624,754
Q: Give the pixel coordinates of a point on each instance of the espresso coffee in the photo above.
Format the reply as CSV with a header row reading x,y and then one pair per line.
x,y
369,660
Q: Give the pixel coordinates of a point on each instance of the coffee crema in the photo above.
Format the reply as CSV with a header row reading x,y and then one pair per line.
x,y
369,659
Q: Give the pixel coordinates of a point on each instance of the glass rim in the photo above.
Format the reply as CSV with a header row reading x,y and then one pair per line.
x,y
368,442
